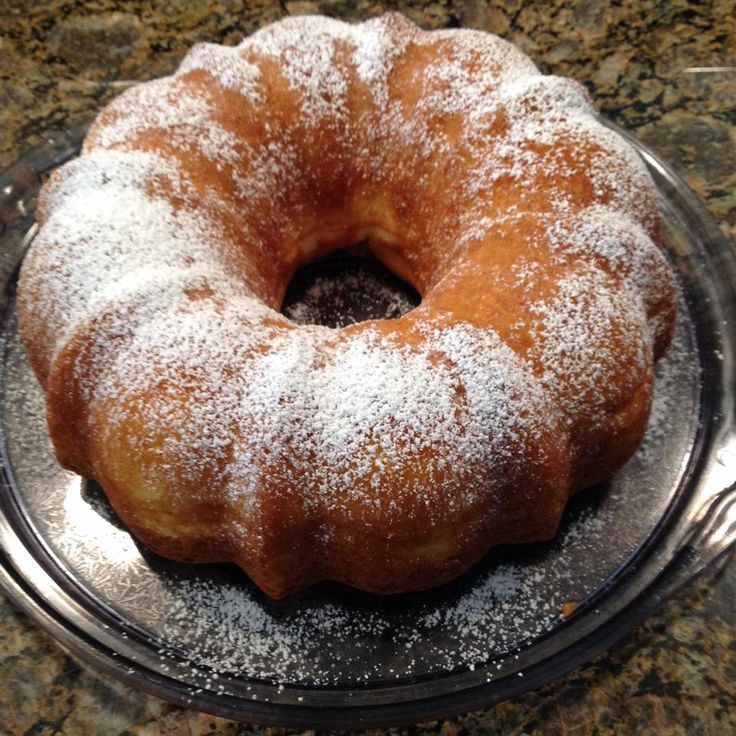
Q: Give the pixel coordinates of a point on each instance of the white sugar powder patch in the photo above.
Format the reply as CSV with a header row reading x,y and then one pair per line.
x,y
169,105
670,373
468,77
107,235
493,617
622,245
331,417
311,67
227,66
339,299
270,167
576,329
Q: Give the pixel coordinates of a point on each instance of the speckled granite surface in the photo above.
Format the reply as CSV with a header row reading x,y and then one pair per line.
x,y
664,70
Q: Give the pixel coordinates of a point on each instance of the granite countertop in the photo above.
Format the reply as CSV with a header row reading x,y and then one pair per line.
x,y
664,70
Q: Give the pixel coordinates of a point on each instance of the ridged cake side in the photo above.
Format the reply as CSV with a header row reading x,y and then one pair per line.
x,y
389,454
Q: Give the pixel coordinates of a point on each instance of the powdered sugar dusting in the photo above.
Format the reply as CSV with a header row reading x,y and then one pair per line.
x,y
226,65
346,298
169,105
91,254
472,75
362,410
312,67
218,633
620,242
575,329
167,268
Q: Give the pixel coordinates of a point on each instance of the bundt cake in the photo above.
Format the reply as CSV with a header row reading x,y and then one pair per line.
x,y
389,454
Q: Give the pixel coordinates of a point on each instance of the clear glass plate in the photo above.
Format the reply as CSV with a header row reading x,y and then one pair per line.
x,y
205,637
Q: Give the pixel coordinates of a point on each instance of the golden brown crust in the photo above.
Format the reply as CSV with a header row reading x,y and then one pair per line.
x,y
392,454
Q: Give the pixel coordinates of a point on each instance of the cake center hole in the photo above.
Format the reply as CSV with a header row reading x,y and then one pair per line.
x,y
344,289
